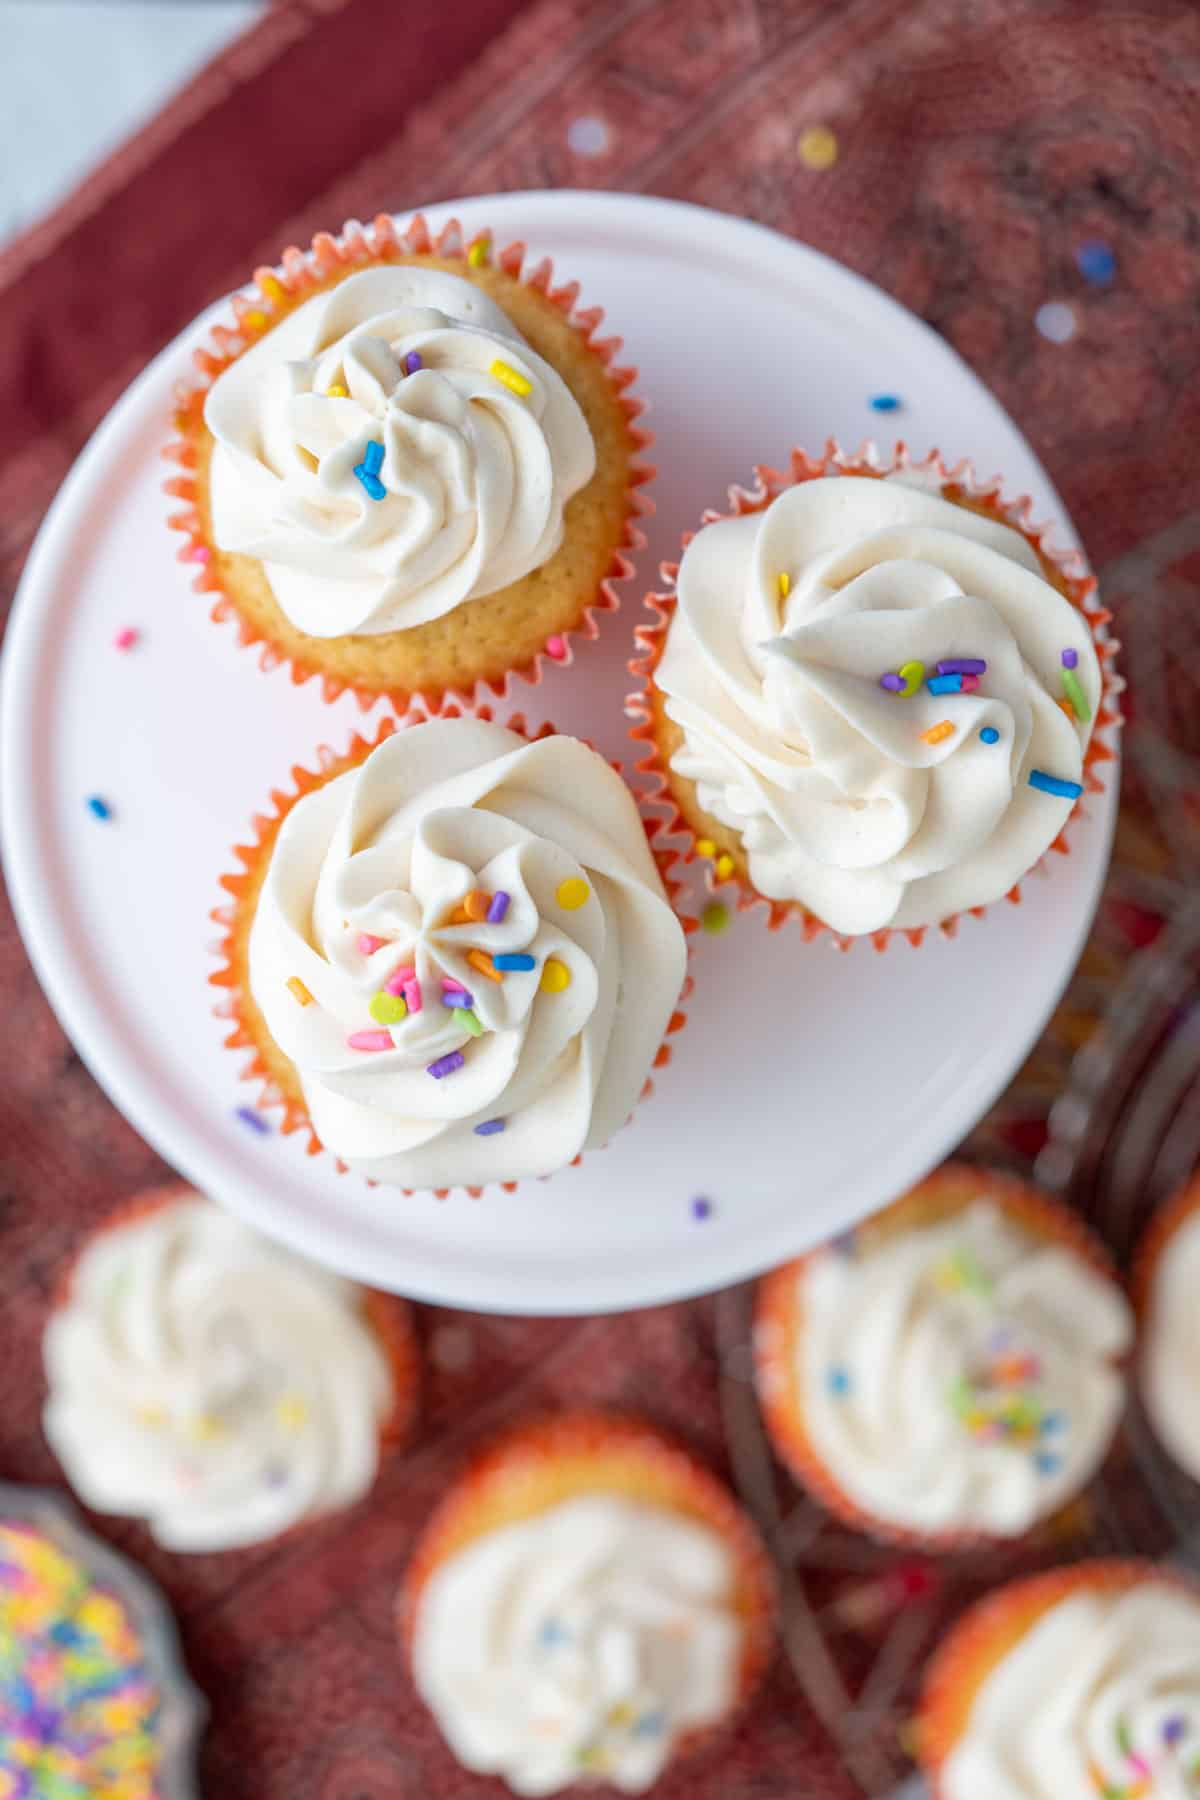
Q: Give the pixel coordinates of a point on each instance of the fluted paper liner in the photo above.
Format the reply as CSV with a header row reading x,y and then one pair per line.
x,y
279,1091
299,276
959,483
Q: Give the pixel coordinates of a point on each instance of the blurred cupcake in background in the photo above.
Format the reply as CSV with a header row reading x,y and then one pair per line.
x,y
587,1605
950,1372
1166,1286
1084,1681
412,467
208,1381
871,695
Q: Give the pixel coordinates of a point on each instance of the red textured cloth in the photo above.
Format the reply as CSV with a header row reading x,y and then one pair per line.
x,y
980,145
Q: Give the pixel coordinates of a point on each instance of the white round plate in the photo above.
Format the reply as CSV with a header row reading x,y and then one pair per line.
x,y
808,1088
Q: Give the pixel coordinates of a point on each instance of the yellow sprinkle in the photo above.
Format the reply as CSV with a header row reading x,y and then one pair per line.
x,y
292,1412
298,990
387,1009
622,1714
152,1417
511,378
785,584
818,147
724,867
936,733
572,893
715,917
480,252
256,320
271,288
555,976
705,847
337,392
207,1426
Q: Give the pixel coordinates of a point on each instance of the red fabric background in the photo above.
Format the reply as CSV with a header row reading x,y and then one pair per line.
x,y
981,141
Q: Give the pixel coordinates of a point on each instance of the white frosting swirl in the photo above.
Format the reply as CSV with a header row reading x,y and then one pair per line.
x,y
390,850
206,1379
1171,1347
474,475
840,802
579,1644
960,1377
1101,1697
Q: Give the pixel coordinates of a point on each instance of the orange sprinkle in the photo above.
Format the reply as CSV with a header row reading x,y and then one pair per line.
x,y
479,959
1067,708
936,733
297,988
476,905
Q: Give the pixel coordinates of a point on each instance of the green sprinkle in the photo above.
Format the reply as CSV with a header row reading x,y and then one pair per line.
x,y
388,1009
1076,696
715,917
466,1021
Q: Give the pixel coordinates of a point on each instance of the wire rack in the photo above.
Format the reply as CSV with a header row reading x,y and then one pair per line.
x,y
1106,1114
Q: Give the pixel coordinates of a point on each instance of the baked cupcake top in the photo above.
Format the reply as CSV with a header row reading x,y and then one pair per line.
x,y
1101,1697
204,1378
959,1376
465,949
881,692
579,1644
391,449
1170,1369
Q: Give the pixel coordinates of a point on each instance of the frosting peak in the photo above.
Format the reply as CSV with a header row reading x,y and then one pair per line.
x,y
391,449
806,667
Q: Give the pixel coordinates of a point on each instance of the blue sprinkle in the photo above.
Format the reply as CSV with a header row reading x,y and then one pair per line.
x,y
372,483
885,403
651,1724
1051,784
701,1208
412,362
372,460
516,960
1096,262
839,1381
989,735
553,1633
1054,1421
1046,1464
100,807
249,1117
945,684
489,1128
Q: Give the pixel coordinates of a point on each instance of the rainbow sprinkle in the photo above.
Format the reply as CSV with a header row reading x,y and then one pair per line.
x,y
79,1709
511,378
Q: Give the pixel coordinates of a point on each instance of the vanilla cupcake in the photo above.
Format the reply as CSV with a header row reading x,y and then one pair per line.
x,y
454,956
870,698
1166,1284
586,1606
208,1381
1084,1682
412,467
952,1372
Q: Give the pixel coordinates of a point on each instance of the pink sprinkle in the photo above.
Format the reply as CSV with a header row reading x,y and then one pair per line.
x,y
556,647
396,984
126,638
412,994
970,683
370,1040
1140,1763
368,944
200,553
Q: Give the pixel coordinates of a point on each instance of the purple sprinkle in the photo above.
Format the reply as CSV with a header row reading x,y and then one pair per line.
x,y
701,1208
276,1475
499,906
489,1128
1070,659
446,1065
455,996
963,665
412,362
1174,1730
893,683
249,1117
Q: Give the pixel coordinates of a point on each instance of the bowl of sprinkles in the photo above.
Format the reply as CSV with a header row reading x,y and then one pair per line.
x,y
94,1698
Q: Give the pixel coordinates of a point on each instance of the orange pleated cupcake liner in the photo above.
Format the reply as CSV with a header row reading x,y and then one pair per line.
x,y
237,1006
564,1456
280,291
1156,1241
959,482
779,1324
993,1628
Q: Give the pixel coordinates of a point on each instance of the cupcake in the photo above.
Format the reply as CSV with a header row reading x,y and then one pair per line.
x,y
453,955
94,1702
1084,1682
870,697
586,1605
210,1382
1166,1282
950,1372
411,467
